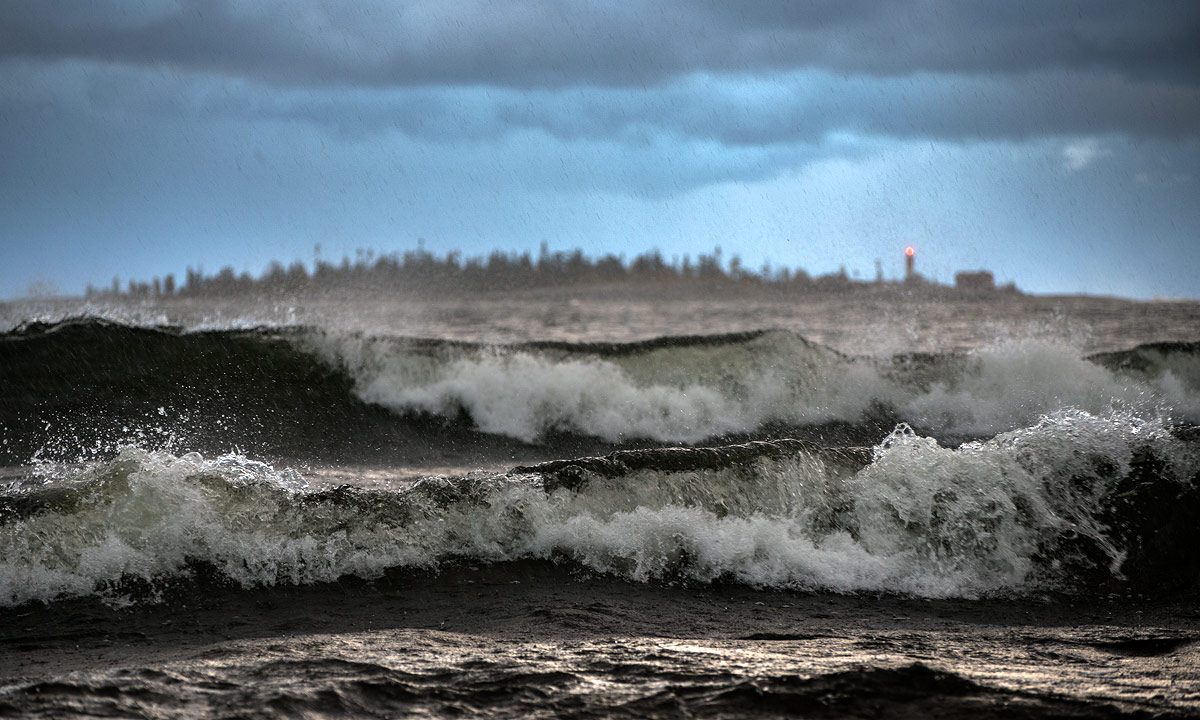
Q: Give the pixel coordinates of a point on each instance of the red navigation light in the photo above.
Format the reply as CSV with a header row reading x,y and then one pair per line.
x,y
909,251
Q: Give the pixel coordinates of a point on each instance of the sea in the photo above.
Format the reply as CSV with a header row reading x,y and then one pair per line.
x,y
600,502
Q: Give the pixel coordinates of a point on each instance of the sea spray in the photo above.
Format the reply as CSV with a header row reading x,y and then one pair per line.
x,y
705,387
1016,513
295,388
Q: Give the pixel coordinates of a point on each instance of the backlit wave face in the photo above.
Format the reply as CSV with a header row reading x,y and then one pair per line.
x,y
1030,509
666,390
691,392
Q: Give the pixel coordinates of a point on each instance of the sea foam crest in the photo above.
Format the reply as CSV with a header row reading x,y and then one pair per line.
x,y
989,517
921,519
694,391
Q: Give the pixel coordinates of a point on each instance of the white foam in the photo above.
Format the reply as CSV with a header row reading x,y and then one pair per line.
x,y
921,519
1012,384
145,514
525,396
690,393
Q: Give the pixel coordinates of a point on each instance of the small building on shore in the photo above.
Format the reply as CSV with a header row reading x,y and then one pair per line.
x,y
975,281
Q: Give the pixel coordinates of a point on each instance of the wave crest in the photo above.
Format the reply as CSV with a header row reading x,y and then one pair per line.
x,y
1040,507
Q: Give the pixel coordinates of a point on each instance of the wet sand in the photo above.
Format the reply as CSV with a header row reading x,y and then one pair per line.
x,y
532,639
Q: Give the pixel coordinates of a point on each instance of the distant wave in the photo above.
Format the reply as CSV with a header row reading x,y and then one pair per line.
x,y
1057,505
672,389
695,388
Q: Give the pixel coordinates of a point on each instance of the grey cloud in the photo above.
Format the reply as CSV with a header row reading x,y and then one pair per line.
x,y
792,108
811,106
544,43
1157,39
436,71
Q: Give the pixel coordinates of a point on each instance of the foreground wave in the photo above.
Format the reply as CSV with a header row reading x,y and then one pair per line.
x,y
1070,501
336,687
305,387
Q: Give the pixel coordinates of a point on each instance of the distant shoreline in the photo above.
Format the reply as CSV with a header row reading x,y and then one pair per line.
x,y
822,288
422,272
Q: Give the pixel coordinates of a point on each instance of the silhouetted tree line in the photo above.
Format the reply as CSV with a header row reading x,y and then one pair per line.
x,y
421,271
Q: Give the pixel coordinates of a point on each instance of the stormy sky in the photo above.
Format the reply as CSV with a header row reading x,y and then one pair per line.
x,y
1055,143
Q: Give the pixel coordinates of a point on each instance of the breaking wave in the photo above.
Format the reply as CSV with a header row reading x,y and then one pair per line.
x,y
691,389
675,389
1054,505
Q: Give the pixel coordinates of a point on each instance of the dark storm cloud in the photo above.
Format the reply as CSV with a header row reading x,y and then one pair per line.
x,y
806,107
1151,39
803,107
545,43
737,73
